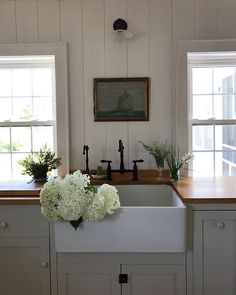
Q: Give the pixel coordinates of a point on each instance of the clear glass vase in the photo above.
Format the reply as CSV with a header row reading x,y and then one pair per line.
x,y
175,175
160,170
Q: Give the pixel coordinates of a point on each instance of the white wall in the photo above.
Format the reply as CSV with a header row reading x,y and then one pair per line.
x,y
86,26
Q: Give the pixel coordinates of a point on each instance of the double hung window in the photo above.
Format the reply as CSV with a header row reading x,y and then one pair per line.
x,y
33,105
212,101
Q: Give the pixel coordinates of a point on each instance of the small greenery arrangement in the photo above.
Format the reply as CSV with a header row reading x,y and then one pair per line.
x,y
158,151
40,163
176,163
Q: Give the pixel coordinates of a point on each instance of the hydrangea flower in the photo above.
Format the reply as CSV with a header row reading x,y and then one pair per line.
x,y
74,199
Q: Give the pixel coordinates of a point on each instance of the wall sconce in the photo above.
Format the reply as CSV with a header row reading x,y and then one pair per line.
x,y
120,27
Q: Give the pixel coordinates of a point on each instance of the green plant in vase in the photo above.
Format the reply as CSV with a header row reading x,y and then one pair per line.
x,y
40,163
158,151
177,163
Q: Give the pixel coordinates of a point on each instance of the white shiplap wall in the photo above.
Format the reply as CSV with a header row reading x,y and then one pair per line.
x,y
86,25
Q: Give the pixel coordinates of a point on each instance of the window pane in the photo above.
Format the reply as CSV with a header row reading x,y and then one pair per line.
x,y
203,164
42,136
42,82
202,137
202,80
5,82
225,137
21,82
225,106
42,108
226,163
223,79
5,108
4,139
16,167
5,164
21,139
202,107
22,109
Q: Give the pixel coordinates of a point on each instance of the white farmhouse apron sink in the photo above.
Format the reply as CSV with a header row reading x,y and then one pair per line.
x,y
151,218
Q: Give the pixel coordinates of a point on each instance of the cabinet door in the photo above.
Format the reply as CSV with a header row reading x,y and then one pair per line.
x,y
214,252
24,266
154,279
88,279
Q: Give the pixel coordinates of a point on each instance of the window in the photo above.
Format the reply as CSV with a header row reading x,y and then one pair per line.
x,y
33,104
212,96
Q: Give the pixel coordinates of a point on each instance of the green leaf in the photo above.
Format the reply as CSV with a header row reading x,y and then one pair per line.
x,y
76,223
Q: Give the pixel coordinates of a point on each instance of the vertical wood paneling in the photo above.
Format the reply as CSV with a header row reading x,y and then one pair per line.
x,y
226,19
160,70
48,19
115,66
138,46
182,19
26,21
138,65
93,48
206,19
87,27
71,32
183,27
7,22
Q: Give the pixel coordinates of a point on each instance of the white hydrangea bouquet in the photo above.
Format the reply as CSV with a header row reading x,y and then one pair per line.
x,y
74,199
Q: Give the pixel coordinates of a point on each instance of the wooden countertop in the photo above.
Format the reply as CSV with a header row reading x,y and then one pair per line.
x,y
19,192
205,190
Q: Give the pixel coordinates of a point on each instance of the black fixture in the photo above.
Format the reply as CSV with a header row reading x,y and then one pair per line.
x,y
85,152
121,151
122,169
108,168
135,168
120,24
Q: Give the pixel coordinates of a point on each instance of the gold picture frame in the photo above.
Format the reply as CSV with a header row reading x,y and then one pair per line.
x,y
121,99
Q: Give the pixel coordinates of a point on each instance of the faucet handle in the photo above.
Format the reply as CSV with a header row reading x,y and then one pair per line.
x,y
135,168
108,168
138,161
85,149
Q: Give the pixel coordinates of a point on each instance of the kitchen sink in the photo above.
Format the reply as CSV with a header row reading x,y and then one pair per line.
x,y
152,218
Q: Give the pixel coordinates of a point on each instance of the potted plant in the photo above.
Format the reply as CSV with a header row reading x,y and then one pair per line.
x,y
40,163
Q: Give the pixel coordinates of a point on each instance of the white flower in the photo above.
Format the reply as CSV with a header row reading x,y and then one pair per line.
x,y
96,210
103,202
73,197
50,195
112,201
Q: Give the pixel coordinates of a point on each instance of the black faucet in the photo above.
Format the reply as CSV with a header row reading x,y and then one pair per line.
x,y
122,169
108,168
135,168
121,151
85,152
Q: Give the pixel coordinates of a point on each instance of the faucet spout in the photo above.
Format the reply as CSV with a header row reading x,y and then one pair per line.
x,y
121,151
85,152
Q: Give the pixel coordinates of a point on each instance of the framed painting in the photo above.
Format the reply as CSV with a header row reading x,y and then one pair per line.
x,y
121,99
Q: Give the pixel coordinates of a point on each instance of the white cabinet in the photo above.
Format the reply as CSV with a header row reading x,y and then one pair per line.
x,y
92,279
108,274
154,279
214,253
24,251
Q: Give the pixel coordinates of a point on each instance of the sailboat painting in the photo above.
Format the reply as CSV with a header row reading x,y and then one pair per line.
x,y
121,99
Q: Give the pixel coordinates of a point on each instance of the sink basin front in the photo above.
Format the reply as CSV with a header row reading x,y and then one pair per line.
x,y
151,219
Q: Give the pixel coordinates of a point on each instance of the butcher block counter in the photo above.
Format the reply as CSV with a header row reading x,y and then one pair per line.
x,y
192,190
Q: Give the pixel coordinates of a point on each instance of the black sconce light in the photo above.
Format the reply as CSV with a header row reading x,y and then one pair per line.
x,y
120,27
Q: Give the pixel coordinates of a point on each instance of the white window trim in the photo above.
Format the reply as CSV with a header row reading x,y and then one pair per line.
x,y
181,103
59,50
